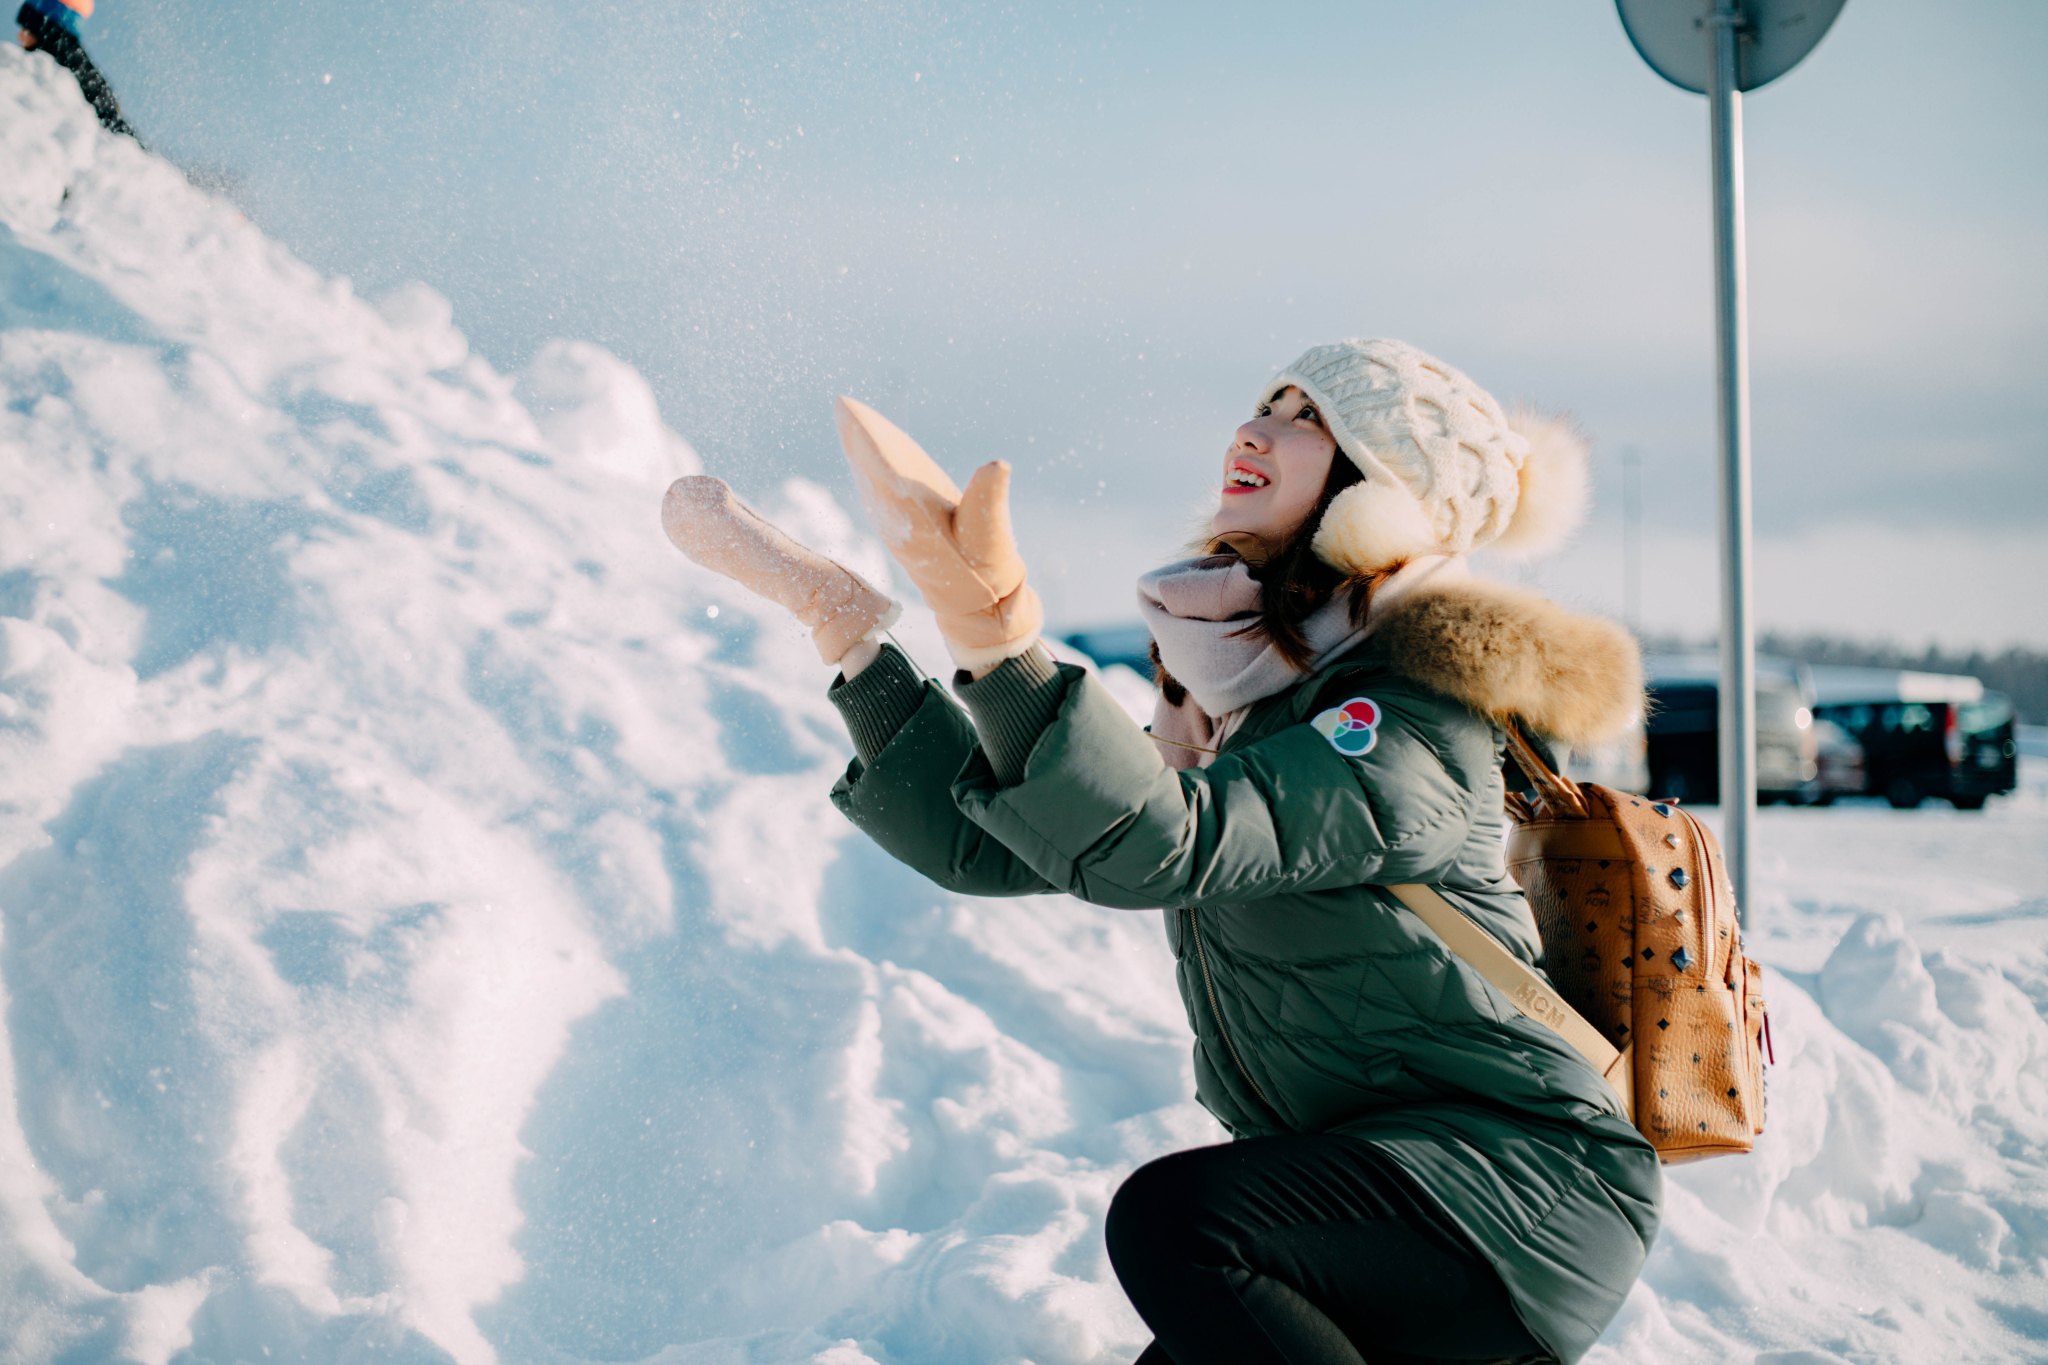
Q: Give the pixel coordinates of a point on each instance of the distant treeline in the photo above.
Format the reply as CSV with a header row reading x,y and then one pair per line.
x,y
2021,674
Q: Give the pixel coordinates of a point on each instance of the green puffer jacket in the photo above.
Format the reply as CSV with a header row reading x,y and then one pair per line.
x,y
1320,1004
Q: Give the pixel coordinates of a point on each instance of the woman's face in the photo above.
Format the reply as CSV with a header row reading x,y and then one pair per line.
x,y
1274,472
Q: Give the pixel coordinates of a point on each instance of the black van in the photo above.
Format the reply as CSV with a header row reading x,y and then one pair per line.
x,y
1963,751
1684,730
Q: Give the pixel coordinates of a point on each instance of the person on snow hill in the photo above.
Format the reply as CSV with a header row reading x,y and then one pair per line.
x,y
1420,1171
52,26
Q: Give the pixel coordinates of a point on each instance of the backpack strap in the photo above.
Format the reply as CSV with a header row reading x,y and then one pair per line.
x,y
1524,988
1559,792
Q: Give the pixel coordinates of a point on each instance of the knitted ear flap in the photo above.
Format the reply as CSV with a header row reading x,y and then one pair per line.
x,y
1554,491
1372,525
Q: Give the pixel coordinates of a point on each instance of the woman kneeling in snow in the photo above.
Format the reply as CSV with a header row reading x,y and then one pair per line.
x,y
1421,1171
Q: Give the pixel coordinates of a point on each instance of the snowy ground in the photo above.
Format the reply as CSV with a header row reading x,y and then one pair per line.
x,y
424,935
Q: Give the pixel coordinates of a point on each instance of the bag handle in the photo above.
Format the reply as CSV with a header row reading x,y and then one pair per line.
x,y
1525,990
1559,792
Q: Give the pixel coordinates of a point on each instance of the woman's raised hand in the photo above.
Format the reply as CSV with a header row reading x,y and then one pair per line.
x,y
957,547
707,523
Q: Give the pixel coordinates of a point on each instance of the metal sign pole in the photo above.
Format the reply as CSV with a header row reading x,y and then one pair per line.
x,y
1749,43
1731,317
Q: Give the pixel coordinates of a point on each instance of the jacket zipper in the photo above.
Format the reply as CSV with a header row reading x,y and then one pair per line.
x,y
1202,956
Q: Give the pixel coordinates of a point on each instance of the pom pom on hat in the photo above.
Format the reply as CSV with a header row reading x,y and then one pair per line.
x,y
1372,526
1554,493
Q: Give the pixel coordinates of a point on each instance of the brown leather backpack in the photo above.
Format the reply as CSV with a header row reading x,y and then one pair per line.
x,y
1640,937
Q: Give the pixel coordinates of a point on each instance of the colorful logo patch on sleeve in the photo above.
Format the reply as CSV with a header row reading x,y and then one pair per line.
x,y
1352,728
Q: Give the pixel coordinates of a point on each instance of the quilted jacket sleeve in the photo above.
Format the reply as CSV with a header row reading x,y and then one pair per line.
x,y
904,802
1097,814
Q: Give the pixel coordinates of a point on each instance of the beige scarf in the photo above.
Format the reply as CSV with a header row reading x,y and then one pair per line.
x,y
1195,609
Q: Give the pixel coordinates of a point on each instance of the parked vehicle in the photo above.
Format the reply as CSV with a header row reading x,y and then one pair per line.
x,y
1130,646
1840,760
1684,730
1622,763
1923,734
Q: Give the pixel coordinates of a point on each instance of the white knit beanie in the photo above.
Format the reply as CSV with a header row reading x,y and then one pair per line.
x,y
1446,471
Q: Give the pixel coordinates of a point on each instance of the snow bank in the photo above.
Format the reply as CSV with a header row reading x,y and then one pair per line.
x,y
1895,1210
424,926
424,935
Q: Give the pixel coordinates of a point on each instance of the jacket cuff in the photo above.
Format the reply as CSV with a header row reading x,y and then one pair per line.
x,y
1012,706
879,701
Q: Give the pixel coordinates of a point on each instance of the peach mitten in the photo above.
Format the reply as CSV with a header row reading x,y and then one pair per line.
x,y
957,547
710,525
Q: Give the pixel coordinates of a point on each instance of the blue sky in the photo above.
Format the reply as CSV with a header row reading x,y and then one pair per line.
x,y
1080,236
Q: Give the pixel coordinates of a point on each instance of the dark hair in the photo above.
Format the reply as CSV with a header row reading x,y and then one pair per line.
x,y
1293,583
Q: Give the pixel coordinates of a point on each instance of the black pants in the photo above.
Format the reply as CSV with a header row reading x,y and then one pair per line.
x,y
1302,1250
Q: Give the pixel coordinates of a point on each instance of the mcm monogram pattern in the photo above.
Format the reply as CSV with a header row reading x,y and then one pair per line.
x,y
1640,936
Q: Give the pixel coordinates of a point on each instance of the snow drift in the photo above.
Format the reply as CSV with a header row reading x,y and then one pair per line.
x,y
424,935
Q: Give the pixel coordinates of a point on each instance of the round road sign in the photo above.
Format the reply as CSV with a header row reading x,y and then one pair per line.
x,y
1775,35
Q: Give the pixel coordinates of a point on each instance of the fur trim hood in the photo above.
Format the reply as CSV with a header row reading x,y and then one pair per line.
x,y
1507,651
